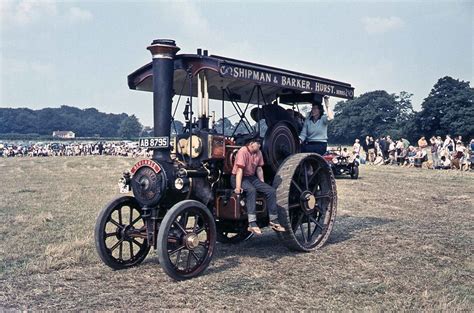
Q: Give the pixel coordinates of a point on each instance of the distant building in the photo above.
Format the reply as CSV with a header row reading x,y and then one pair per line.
x,y
64,134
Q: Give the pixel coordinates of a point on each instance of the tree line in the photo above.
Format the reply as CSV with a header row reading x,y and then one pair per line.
x,y
448,109
83,122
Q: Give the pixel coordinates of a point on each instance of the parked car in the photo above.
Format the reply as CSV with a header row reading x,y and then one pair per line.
x,y
343,163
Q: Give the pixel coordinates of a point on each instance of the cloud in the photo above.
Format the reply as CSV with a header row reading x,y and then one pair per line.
x,y
79,15
27,12
378,25
198,29
13,66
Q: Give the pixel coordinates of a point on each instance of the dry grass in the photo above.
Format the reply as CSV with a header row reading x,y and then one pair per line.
x,y
403,241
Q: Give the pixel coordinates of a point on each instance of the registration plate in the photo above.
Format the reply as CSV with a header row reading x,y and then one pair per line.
x,y
154,142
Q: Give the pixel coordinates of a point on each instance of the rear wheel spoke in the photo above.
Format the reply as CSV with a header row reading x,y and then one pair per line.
x,y
315,188
294,206
317,223
305,176
303,232
309,229
297,186
325,195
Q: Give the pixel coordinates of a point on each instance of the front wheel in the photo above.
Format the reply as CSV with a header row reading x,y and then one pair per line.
x,y
120,235
355,172
186,240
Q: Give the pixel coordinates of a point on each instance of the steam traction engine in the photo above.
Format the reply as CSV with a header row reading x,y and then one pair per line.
x,y
182,199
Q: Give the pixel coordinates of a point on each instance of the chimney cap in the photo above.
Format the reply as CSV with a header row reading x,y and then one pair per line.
x,y
168,42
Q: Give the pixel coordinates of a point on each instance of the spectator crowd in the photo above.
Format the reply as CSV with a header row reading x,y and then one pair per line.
x,y
435,153
39,149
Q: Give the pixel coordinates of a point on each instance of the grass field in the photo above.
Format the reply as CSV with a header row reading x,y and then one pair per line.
x,y
403,240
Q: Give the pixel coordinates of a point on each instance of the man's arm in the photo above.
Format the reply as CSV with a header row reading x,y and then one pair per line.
x,y
328,109
260,174
238,180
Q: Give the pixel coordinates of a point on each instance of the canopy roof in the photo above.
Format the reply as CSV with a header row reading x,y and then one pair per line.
x,y
239,79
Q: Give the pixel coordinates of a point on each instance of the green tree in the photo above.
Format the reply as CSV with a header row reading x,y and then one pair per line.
x,y
130,127
228,127
375,113
177,127
448,109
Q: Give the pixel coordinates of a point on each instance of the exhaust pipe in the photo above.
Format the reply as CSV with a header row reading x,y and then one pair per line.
x,y
163,52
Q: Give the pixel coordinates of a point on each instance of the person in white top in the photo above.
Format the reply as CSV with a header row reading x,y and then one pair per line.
x,y
356,147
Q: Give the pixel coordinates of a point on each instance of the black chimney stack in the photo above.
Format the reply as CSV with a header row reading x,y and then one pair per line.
x,y
163,52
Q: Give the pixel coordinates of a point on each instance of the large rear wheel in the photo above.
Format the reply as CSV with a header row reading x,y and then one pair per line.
x,y
307,201
186,240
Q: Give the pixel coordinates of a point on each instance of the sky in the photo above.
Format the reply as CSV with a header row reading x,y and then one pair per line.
x,y
79,53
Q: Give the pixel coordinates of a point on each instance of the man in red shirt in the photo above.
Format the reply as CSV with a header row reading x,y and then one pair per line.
x,y
247,175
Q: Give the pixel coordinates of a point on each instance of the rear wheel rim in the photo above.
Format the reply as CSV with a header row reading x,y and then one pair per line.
x,y
307,195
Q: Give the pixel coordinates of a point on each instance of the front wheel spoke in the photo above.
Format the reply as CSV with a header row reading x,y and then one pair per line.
x,y
200,230
177,259
115,223
111,234
184,220
180,227
137,242
116,245
195,256
297,186
131,249
130,218
204,244
188,262
121,251
120,215
176,250
135,220
196,219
